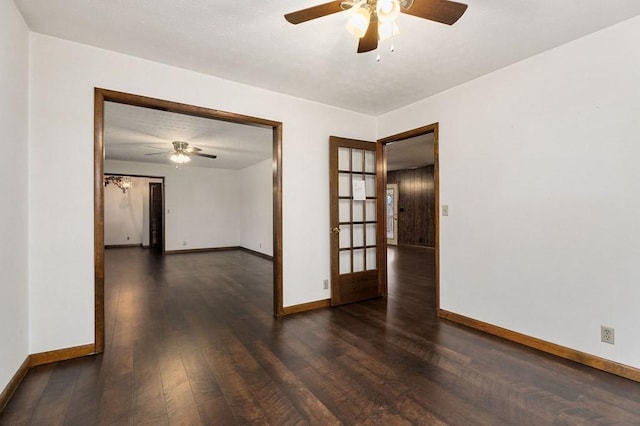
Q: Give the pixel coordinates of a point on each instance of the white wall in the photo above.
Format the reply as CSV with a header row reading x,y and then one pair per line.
x,y
201,204
256,207
230,207
14,70
63,76
539,167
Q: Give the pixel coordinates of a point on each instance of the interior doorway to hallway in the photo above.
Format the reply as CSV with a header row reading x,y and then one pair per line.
x,y
411,177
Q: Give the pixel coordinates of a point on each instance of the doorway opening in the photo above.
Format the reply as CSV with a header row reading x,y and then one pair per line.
x,y
156,217
411,179
103,96
131,219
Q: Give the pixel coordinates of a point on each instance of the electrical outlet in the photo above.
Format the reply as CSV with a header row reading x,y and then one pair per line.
x,y
607,334
445,210
325,284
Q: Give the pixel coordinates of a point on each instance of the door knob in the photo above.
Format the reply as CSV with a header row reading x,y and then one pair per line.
x,y
335,229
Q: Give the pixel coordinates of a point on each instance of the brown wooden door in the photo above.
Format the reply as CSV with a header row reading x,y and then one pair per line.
x,y
156,209
355,210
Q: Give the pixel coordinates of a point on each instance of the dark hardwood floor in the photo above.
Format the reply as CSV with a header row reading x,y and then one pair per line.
x,y
191,340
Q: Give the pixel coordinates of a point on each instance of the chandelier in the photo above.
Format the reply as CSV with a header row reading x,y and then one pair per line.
x,y
122,182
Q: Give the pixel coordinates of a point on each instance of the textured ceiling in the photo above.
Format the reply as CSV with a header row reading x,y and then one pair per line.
x,y
130,132
410,153
250,42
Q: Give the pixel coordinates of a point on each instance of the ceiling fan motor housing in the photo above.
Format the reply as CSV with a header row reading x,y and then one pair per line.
x,y
180,146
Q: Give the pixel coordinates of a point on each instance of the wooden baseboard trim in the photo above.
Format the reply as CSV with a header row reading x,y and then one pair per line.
x,y
61,355
13,384
256,253
318,304
230,248
115,246
39,359
202,250
593,361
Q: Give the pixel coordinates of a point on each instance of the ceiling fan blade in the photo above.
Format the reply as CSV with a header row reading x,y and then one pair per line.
x,y
156,153
370,40
193,149
443,11
197,154
314,12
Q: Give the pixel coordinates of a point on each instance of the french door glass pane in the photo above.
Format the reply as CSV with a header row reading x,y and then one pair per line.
x,y
345,262
371,258
345,236
358,176
358,260
370,161
371,234
358,235
344,210
370,215
358,211
370,185
343,158
356,160
344,185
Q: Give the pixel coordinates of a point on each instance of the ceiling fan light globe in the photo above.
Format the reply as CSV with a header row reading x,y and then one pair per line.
x,y
359,22
179,158
387,10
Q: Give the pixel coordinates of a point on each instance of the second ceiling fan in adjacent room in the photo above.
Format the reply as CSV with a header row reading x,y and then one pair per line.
x,y
182,152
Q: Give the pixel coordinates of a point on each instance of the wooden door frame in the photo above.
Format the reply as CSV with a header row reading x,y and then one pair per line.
x,y
382,185
103,95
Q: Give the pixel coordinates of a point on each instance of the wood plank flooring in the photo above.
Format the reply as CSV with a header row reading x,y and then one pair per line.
x,y
191,341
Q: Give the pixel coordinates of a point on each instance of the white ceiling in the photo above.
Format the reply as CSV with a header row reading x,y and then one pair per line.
x,y
250,42
410,153
130,132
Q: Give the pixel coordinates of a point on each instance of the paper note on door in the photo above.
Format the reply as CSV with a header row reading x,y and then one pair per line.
x,y
359,190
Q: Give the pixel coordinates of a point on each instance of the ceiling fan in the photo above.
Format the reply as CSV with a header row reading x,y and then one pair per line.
x,y
374,20
182,152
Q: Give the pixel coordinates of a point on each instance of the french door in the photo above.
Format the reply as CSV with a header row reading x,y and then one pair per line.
x,y
357,234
